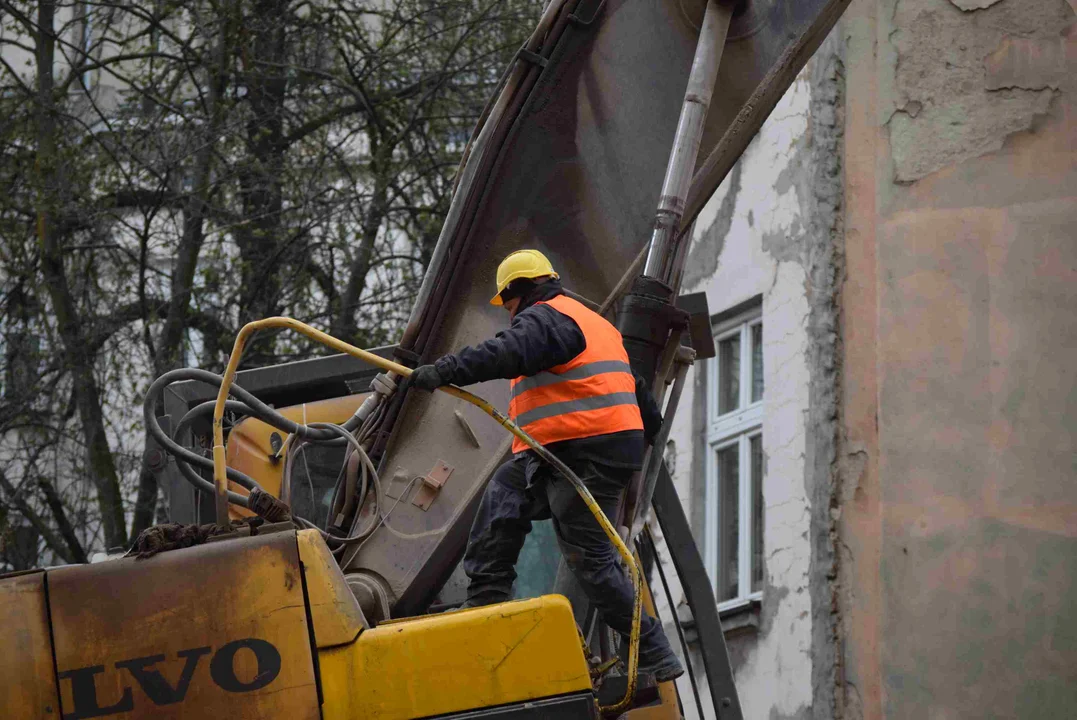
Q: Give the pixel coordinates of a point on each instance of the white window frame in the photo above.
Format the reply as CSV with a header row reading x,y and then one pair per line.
x,y
735,428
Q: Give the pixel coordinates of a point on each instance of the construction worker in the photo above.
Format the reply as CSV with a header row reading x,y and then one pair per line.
x,y
574,392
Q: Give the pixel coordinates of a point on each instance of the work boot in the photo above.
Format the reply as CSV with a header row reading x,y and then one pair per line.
x,y
665,669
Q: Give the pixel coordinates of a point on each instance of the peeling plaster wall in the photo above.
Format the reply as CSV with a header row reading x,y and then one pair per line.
x,y
958,515
909,216
763,234
966,74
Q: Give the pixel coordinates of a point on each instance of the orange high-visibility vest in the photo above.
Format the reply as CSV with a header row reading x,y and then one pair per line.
x,y
592,394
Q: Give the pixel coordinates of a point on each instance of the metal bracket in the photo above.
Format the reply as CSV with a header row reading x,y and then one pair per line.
x,y
699,323
468,430
531,57
407,357
577,20
433,481
383,384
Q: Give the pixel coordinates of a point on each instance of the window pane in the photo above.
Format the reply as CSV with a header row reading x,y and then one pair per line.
x,y
314,480
728,375
728,522
756,444
757,362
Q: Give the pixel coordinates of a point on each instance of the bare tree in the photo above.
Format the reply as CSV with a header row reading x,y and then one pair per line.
x,y
169,171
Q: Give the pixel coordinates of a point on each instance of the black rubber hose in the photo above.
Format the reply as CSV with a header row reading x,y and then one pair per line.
x,y
249,405
257,408
231,406
234,407
205,486
177,450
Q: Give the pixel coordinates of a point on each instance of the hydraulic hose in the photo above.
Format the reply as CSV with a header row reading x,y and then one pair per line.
x,y
168,443
220,469
247,405
186,468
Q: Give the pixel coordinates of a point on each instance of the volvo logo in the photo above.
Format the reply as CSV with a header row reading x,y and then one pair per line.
x,y
162,692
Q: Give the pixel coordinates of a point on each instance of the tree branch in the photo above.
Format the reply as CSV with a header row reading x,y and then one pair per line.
x,y
54,541
59,514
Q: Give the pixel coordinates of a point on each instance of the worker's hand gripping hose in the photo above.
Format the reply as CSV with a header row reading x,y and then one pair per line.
x,y
220,469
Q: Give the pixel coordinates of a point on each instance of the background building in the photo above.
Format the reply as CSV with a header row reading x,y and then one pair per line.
x,y
879,463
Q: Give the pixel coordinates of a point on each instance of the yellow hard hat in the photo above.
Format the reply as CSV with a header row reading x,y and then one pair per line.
x,y
521,264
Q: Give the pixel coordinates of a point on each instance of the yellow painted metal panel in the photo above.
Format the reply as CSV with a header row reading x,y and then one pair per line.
x,y
249,450
334,610
456,661
27,677
217,630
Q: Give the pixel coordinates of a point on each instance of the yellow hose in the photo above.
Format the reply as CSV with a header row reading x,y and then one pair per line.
x,y
220,472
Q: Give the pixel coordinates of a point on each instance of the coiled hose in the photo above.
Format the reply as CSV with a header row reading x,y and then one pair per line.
x,y
247,404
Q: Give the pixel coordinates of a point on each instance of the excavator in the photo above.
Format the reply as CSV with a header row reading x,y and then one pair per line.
x,y
321,509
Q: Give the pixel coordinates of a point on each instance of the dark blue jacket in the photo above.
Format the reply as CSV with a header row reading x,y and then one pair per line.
x,y
538,339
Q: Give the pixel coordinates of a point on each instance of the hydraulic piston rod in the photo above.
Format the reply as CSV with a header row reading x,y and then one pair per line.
x,y
682,158
648,315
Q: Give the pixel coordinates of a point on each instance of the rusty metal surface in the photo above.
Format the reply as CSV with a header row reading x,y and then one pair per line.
x,y
217,630
575,171
431,485
27,676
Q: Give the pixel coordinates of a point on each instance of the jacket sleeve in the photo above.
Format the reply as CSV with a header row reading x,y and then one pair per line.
x,y
648,408
538,339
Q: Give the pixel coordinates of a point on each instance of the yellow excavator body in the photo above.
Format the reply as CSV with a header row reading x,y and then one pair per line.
x,y
265,626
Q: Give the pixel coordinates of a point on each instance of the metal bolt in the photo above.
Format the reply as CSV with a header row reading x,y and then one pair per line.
x,y
156,460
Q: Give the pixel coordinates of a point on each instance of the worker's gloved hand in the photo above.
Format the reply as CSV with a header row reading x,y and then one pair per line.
x,y
652,423
648,409
426,377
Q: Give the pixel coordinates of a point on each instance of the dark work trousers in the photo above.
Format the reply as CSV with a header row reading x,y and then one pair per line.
x,y
526,489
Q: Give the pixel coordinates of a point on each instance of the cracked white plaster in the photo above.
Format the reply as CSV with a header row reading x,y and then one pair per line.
x,y
761,255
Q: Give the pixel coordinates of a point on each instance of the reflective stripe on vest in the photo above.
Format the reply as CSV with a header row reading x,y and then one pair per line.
x,y
569,406
583,371
592,394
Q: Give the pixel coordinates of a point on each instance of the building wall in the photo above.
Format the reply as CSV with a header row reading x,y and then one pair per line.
x,y
908,216
763,235
958,517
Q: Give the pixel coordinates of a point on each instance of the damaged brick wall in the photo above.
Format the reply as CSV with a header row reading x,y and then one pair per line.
x,y
825,264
